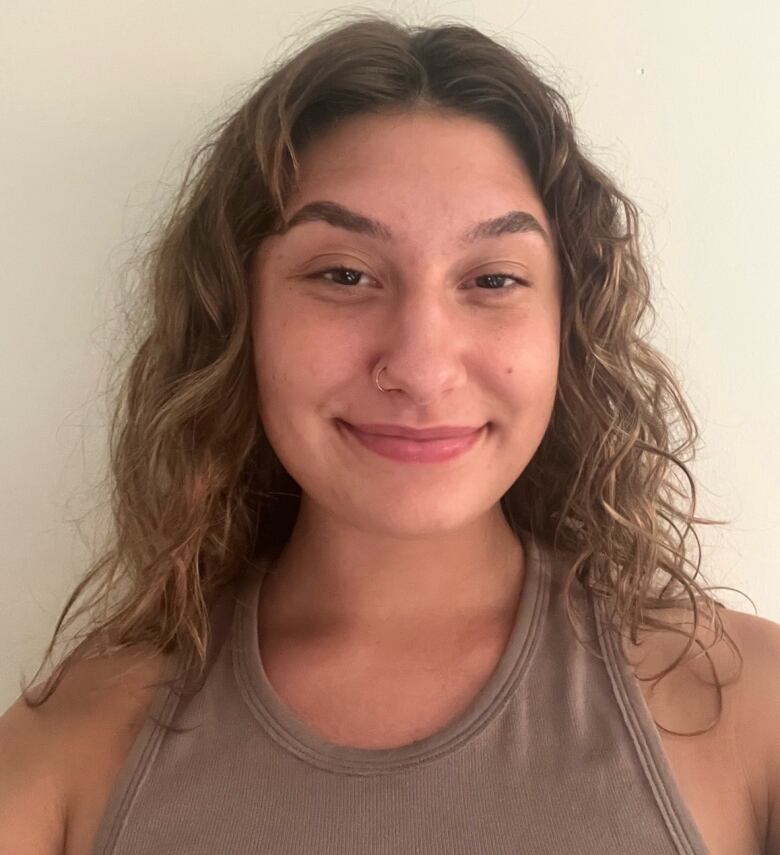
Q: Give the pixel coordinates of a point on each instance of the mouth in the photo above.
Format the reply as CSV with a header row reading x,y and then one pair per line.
x,y
408,450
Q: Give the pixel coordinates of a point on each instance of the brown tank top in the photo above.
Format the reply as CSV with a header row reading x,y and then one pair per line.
x,y
557,753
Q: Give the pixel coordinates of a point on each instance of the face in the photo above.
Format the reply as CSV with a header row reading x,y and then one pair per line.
x,y
467,324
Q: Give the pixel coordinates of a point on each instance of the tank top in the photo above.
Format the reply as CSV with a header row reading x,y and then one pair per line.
x,y
557,753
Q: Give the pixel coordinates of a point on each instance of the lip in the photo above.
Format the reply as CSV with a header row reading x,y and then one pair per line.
x,y
444,432
414,450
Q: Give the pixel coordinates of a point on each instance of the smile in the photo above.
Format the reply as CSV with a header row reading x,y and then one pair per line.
x,y
411,450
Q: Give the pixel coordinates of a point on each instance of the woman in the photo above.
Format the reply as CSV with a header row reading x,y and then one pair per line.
x,y
395,507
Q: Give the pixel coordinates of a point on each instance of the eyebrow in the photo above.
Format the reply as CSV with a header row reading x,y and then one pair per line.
x,y
342,217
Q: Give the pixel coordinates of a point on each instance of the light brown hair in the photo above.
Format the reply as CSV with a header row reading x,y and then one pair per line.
x,y
198,495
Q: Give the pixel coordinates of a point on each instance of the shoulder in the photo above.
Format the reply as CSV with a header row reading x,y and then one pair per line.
x,y
748,707
74,741
758,721
101,696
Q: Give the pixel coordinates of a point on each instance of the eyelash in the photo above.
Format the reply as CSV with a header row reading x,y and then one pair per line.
x,y
518,281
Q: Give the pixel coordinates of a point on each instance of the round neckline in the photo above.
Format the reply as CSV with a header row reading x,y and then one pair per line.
x,y
295,736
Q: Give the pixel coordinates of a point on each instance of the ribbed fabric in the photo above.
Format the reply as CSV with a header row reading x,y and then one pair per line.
x,y
558,753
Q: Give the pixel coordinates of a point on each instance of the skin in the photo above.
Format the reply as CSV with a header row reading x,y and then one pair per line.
x,y
384,552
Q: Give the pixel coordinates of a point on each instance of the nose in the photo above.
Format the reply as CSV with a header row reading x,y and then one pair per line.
x,y
422,348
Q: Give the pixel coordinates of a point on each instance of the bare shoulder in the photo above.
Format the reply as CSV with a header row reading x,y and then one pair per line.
x,y
75,740
748,731
758,725
757,719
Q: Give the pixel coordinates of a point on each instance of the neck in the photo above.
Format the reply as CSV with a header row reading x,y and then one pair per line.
x,y
337,581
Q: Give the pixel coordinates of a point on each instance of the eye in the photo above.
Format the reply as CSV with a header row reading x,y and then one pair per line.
x,y
346,272
517,282
354,276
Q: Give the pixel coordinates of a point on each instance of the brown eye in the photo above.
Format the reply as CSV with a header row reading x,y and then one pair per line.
x,y
353,276
494,278
348,273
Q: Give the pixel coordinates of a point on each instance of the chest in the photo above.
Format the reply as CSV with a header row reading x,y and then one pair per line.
x,y
407,703
410,704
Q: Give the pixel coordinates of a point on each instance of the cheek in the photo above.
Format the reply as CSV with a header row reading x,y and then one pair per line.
x,y
294,362
530,381
269,335
530,355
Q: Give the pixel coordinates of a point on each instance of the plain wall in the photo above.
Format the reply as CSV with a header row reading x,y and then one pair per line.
x,y
101,103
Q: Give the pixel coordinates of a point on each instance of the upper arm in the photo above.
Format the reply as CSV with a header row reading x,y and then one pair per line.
x,y
86,726
758,729
32,809
768,715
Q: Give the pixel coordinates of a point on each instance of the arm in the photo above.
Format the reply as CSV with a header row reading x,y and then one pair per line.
x,y
758,731
59,757
769,718
32,809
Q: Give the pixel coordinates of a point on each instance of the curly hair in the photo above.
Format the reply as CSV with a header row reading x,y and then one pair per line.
x,y
198,494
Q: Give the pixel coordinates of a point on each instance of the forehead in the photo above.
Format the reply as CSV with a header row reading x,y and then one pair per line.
x,y
420,172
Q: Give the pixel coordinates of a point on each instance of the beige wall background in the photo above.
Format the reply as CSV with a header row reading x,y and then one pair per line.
x,y
102,101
